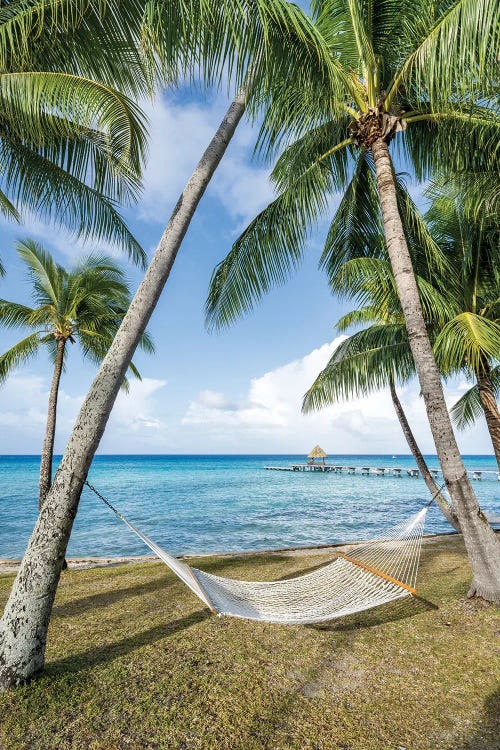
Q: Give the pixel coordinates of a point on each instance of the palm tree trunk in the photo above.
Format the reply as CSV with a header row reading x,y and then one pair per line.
x,y
27,613
490,406
50,429
483,548
443,504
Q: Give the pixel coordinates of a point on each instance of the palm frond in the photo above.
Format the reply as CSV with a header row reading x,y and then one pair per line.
x,y
7,208
18,355
146,343
55,35
362,364
462,139
45,189
45,273
465,342
14,315
133,369
370,282
272,245
319,145
478,193
426,253
453,51
356,230
466,411
361,316
28,99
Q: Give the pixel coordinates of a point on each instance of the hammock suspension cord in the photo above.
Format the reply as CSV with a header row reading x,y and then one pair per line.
x,y
370,574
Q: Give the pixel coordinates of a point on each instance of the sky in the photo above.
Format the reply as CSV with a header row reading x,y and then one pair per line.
x,y
238,391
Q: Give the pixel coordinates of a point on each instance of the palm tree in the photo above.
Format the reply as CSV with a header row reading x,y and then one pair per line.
x,y
270,46
371,359
71,145
469,339
85,305
413,81
458,284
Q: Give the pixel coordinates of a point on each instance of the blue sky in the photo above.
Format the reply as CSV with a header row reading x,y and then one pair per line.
x,y
238,391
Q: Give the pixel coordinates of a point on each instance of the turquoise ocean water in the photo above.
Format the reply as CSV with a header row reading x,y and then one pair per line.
x,y
202,504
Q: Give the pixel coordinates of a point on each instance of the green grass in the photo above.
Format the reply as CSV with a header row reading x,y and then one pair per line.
x,y
134,661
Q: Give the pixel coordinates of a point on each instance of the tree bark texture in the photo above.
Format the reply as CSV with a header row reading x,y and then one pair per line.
x,y
483,548
50,429
27,613
441,501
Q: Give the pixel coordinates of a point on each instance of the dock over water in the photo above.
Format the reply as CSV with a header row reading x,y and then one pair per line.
x,y
379,471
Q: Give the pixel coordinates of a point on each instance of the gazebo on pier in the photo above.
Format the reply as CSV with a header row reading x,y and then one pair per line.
x,y
316,456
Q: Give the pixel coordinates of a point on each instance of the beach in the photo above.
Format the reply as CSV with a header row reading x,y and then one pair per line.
x,y
134,659
10,565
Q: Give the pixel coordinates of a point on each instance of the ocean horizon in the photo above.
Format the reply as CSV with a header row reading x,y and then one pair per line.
x,y
208,503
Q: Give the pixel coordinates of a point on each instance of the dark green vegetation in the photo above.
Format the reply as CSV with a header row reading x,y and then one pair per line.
x,y
134,661
84,305
413,88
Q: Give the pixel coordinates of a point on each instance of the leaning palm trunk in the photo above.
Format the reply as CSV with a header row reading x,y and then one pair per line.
x,y
50,429
483,547
27,613
490,406
441,501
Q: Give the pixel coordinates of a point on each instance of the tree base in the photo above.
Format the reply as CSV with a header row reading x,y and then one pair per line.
x,y
478,591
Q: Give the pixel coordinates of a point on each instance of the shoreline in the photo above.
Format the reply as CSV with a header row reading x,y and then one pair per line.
x,y
10,565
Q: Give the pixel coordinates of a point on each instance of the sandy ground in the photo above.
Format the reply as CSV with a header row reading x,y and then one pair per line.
x,y
9,565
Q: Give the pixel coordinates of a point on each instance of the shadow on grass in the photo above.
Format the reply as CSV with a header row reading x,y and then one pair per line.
x,y
400,609
210,565
487,737
94,656
304,571
111,596
106,598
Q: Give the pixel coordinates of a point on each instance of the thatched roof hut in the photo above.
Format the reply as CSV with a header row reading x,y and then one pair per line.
x,y
317,453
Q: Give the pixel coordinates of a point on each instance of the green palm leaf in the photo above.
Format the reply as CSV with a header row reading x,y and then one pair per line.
x,y
467,410
15,315
19,354
28,99
356,230
453,50
50,192
363,363
272,246
466,341
7,208
57,35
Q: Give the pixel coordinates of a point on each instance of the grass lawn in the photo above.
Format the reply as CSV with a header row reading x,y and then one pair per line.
x,y
134,661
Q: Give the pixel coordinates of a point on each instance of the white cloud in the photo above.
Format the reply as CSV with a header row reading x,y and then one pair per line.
x,y
57,238
179,134
23,413
214,400
269,419
273,405
135,421
136,410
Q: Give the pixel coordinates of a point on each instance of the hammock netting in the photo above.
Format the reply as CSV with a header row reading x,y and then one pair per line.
x,y
371,574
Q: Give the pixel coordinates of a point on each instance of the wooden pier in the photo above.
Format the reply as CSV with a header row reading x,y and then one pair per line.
x,y
378,471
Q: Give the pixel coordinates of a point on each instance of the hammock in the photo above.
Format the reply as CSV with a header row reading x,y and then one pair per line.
x,y
374,573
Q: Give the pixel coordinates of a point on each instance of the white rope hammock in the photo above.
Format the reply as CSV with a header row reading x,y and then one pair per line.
x,y
375,573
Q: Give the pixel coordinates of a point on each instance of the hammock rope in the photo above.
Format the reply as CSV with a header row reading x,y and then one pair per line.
x,y
369,575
